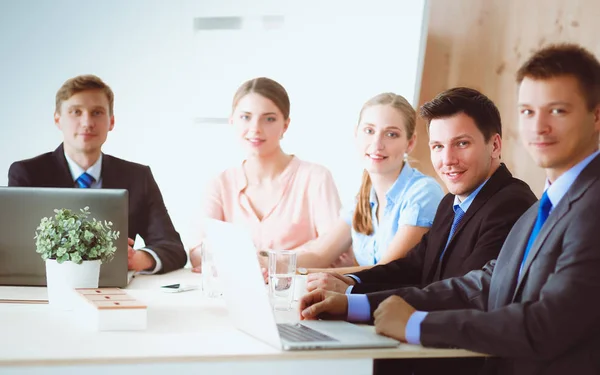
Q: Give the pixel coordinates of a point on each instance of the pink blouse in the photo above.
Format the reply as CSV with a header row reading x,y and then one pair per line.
x,y
308,207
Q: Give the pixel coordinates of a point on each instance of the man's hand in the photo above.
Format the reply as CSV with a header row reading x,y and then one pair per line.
x,y
391,317
331,281
138,260
323,304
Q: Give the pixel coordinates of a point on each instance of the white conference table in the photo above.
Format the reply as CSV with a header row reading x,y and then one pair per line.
x,y
186,332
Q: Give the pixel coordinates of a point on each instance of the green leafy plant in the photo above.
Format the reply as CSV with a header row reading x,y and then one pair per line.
x,y
70,236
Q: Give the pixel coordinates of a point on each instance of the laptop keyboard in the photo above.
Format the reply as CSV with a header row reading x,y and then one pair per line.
x,y
299,333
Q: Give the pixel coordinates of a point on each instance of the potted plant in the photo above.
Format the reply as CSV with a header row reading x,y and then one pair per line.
x,y
73,247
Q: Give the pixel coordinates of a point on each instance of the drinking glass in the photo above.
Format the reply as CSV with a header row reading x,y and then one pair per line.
x,y
282,269
210,280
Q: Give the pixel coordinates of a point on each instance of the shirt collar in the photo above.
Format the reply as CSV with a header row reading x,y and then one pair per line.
x,y
557,190
95,170
464,205
394,192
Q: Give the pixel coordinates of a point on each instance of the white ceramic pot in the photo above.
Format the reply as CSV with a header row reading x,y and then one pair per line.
x,y
62,279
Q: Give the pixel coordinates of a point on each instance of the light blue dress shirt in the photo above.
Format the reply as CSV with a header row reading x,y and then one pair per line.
x,y
96,171
556,191
412,200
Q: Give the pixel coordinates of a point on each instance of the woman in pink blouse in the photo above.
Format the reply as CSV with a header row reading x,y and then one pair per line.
x,y
284,201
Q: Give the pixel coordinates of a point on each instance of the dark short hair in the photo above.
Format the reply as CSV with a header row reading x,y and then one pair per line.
x,y
465,100
566,59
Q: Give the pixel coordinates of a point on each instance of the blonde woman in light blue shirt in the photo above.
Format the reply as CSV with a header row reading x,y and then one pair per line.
x,y
396,203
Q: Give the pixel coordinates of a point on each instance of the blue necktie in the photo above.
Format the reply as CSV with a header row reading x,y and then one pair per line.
x,y
85,180
458,215
543,212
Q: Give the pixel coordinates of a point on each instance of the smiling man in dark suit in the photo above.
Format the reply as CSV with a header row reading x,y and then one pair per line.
x,y
534,307
473,219
84,114
471,223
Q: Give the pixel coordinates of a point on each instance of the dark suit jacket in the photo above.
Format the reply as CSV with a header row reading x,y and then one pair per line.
x,y
148,215
478,238
545,321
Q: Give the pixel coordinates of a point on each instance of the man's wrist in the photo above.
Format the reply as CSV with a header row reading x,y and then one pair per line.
x,y
154,260
148,260
350,279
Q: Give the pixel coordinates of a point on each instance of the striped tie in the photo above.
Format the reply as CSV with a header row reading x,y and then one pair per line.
x,y
85,181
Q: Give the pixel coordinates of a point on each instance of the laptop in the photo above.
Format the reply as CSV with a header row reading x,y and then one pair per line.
x,y
249,307
22,208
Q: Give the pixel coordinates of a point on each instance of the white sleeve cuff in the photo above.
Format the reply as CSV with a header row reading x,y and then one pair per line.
x,y
158,266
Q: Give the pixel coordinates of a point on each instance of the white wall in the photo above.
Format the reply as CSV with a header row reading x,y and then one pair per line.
x,y
330,55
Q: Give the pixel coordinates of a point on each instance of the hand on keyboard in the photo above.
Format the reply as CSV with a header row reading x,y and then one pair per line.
x,y
321,304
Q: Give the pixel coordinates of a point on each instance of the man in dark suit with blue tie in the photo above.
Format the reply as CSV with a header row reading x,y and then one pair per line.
x,y
533,309
84,114
473,219
471,222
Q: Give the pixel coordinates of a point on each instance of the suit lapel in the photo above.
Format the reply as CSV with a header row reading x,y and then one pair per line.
x,y
495,183
437,239
505,272
110,179
63,173
555,216
579,187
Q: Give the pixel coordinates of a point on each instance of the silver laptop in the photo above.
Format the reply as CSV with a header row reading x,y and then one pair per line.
x,y
21,210
248,303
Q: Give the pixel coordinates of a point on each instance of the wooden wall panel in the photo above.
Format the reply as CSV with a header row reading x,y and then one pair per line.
x,y
481,44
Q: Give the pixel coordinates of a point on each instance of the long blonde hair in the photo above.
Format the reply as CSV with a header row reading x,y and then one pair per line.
x,y
362,221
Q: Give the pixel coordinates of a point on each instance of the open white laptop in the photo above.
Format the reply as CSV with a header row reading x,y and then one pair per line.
x,y
248,303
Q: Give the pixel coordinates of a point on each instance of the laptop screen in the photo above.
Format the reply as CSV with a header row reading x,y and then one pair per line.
x,y
21,210
240,276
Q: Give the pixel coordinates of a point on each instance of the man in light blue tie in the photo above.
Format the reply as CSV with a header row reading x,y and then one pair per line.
x,y
84,115
534,308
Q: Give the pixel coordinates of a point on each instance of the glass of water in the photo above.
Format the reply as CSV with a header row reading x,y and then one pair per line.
x,y
282,269
210,281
